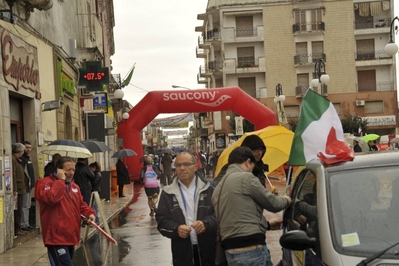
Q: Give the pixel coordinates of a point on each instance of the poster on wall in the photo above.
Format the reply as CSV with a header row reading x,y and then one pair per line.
x,y
220,140
7,173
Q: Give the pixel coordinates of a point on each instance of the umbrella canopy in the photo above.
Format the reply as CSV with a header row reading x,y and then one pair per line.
x,y
278,141
95,146
124,153
165,150
370,137
394,140
349,140
67,147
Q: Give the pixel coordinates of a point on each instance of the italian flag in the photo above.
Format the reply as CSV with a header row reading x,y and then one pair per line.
x,y
319,133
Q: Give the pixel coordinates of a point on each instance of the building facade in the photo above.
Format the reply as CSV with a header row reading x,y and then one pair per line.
x,y
258,44
41,64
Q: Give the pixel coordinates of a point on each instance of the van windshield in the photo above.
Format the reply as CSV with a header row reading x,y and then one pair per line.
x,y
364,210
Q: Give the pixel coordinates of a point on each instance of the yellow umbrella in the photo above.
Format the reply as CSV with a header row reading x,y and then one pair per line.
x,y
278,141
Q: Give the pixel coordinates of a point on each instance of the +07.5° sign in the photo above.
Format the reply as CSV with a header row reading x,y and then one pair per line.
x,y
93,76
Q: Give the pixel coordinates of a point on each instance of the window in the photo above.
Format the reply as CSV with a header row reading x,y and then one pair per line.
x,y
292,111
244,26
248,85
366,80
365,49
303,214
374,107
246,57
308,20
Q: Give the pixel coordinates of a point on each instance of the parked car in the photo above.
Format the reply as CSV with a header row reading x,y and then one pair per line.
x,y
345,214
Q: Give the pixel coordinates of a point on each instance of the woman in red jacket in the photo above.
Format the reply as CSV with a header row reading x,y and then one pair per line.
x,y
61,205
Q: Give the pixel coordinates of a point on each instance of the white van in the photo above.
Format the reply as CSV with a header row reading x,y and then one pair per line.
x,y
344,215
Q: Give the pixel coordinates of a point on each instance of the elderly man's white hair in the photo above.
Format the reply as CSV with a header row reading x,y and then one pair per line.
x,y
18,147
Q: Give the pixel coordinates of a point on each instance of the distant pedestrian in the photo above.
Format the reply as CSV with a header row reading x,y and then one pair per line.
x,y
149,174
186,216
122,176
167,168
61,206
96,169
84,178
356,146
27,199
20,185
50,166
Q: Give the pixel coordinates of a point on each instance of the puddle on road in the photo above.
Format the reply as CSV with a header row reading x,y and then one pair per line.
x,y
98,251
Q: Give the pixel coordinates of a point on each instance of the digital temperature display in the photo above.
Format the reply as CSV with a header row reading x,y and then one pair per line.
x,y
94,76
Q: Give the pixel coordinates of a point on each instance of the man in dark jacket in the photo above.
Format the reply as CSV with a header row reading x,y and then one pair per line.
x,y
256,144
193,235
27,199
122,176
84,178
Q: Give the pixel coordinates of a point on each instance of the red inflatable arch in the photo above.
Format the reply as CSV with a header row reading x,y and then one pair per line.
x,y
187,101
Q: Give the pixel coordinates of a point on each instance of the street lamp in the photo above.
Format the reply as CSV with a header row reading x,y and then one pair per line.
x,y
279,101
320,72
392,48
118,94
180,87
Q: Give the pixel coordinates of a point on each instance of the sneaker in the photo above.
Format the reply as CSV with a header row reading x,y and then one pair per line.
x,y
122,196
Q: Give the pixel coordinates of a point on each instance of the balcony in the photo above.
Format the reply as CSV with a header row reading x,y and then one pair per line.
x,y
300,91
245,64
307,59
215,65
246,61
200,52
201,80
371,23
311,27
371,55
250,34
376,86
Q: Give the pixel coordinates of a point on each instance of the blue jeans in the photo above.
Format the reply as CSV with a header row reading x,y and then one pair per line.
x,y
256,257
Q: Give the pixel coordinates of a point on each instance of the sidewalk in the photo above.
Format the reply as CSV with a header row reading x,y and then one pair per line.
x,y
33,252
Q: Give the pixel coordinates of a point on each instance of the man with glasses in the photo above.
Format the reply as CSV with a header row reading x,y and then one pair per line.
x,y
240,211
185,215
256,144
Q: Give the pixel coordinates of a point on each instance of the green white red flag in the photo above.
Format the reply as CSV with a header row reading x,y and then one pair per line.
x,y
319,133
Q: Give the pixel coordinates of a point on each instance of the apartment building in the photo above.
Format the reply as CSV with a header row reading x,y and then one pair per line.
x,y
258,44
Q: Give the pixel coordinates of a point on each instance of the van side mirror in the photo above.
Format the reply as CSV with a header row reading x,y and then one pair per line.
x,y
297,240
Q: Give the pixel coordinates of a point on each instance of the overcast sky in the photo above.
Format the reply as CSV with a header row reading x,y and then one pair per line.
x,y
160,37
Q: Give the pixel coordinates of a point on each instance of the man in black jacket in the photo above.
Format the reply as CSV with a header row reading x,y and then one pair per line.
x,y
193,235
84,178
26,198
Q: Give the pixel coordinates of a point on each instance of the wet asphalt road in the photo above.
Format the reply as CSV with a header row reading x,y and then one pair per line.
x,y
140,243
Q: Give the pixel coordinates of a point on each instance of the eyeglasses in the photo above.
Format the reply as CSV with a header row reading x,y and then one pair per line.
x,y
177,165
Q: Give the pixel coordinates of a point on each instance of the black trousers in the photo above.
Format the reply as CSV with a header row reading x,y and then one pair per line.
x,y
196,256
120,189
60,255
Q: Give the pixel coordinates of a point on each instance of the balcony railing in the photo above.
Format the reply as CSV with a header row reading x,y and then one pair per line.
x,y
371,55
246,32
246,61
301,59
215,65
300,90
308,27
371,23
376,86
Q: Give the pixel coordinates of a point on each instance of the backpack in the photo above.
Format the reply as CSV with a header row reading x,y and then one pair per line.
x,y
150,177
